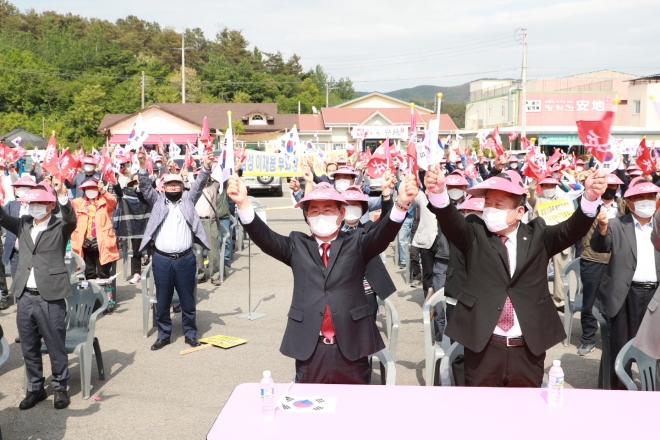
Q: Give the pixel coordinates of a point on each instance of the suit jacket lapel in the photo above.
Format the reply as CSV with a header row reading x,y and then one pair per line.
x,y
313,248
27,231
51,222
523,239
335,246
496,243
628,225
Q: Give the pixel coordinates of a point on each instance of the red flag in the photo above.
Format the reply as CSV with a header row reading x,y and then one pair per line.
x,y
497,140
644,160
206,136
595,136
471,170
50,157
512,136
80,155
150,165
411,155
555,157
108,171
350,149
68,166
365,156
573,164
187,159
526,144
161,148
539,171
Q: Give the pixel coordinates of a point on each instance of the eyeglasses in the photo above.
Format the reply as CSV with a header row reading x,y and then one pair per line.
x,y
328,210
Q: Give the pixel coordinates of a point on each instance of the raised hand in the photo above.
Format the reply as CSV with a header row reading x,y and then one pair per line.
x,y
434,180
603,221
142,159
595,186
294,185
500,162
208,159
237,191
408,189
307,174
60,189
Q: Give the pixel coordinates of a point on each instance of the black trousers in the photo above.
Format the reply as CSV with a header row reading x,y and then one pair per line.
x,y
428,259
3,277
591,273
500,366
93,267
416,270
328,365
624,327
136,260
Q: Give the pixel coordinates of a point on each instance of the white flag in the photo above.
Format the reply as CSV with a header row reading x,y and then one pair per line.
x,y
17,141
437,152
289,144
138,135
225,166
175,150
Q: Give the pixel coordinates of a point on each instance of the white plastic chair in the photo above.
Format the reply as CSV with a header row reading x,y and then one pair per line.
x,y
80,339
149,300
4,348
448,360
572,300
223,268
387,367
648,368
391,324
433,352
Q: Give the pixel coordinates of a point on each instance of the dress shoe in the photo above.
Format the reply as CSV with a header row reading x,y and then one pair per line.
x,y
33,398
585,349
160,343
17,340
216,282
560,308
4,303
193,342
61,399
176,309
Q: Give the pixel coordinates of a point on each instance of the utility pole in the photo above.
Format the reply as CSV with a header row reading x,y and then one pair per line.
x,y
183,67
142,89
523,97
327,95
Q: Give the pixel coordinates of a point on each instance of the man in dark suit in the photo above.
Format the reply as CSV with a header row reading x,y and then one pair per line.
x,y
41,284
633,271
505,317
330,331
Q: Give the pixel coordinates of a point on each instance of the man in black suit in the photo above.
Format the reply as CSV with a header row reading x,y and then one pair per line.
x,y
505,317
41,284
633,271
330,331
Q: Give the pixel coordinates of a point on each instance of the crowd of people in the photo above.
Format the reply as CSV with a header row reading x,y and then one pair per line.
x,y
483,239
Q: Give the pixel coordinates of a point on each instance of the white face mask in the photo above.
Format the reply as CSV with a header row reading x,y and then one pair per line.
x,y
459,166
342,184
88,168
645,208
579,169
38,211
514,165
21,190
92,193
353,213
323,225
549,193
455,193
495,219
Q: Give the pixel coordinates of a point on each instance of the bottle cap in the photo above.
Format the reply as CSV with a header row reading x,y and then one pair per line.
x,y
555,363
267,373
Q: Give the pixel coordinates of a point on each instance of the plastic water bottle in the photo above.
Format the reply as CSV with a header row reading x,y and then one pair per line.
x,y
68,249
267,396
556,384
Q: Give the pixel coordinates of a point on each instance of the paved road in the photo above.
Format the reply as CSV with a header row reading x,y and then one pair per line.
x,y
149,395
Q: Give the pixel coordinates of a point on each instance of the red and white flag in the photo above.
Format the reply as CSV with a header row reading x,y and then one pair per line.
x,y
68,166
512,136
645,161
556,156
497,141
108,171
595,136
471,169
187,160
161,148
205,137
50,157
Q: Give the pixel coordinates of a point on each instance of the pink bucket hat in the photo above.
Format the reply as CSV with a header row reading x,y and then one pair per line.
x,y
40,193
322,191
639,185
636,173
89,160
472,204
455,179
354,194
343,170
25,181
549,181
501,182
513,159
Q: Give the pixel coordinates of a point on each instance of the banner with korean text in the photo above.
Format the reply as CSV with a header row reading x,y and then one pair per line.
x,y
260,163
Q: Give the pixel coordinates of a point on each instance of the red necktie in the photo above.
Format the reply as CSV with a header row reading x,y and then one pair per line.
x,y
327,330
506,318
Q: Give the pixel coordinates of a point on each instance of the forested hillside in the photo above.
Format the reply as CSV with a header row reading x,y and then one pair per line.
x,y
63,72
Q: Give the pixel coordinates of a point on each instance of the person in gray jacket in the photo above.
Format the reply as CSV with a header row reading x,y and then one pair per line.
x,y
40,285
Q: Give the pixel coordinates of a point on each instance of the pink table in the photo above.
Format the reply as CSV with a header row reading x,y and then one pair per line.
x,y
454,412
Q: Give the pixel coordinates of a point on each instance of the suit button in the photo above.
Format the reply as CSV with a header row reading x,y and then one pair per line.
x,y
327,292
508,287
499,308
627,285
320,313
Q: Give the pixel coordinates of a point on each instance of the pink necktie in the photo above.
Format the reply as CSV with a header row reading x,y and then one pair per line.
x,y
327,329
506,318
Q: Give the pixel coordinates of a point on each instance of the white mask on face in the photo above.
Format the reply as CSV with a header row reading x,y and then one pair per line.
x,y
459,166
549,193
342,184
495,219
645,208
21,190
455,193
323,225
92,193
579,169
88,168
37,211
353,213
514,165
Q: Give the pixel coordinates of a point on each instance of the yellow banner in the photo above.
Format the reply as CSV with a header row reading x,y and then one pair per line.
x,y
260,163
556,211
223,341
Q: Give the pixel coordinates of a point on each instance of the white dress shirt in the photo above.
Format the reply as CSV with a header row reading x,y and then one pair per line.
x,y
34,232
612,210
589,208
174,234
645,272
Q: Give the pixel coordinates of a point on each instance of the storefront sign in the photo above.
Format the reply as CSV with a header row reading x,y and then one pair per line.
x,y
562,140
563,109
380,132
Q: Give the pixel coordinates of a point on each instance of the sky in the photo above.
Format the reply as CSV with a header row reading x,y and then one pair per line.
x,y
386,45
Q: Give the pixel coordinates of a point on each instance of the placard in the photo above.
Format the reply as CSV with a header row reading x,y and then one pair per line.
x,y
556,211
223,341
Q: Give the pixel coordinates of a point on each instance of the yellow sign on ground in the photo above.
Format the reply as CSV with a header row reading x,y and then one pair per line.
x,y
223,341
556,211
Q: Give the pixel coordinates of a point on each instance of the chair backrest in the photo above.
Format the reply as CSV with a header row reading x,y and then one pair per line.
x,y
574,268
72,264
81,304
391,324
648,368
147,281
429,331
4,348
